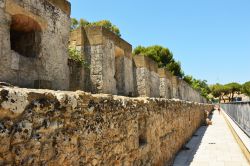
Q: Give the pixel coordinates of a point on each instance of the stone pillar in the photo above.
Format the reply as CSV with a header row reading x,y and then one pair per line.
x,y
100,55
147,78
165,83
124,72
128,74
154,79
175,87
142,76
110,62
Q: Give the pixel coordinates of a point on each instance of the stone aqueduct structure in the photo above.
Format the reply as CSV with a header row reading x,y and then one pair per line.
x,y
113,69
30,58
46,127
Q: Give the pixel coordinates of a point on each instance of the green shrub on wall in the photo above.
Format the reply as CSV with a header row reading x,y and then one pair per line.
x,y
76,56
104,23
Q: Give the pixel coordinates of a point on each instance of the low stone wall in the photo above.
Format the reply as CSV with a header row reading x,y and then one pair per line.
x,y
42,127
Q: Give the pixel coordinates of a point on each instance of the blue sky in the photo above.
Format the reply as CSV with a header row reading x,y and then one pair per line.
x,y
211,38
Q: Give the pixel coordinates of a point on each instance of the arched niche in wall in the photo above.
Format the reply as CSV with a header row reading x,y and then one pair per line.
x,y
25,35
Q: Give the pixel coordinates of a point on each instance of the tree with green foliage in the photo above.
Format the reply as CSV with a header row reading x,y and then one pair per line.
x,y
199,85
228,90
246,88
175,68
162,56
104,23
158,53
74,24
189,79
107,24
233,88
219,91
83,23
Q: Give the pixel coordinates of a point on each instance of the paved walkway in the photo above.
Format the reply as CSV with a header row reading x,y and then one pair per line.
x,y
212,146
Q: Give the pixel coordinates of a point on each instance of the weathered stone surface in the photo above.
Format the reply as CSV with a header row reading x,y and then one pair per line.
x,y
49,57
109,58
64,5
165,88
143,82
155,84
43,127
2,3
146,76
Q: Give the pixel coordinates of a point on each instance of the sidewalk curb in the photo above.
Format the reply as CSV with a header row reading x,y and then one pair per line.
x,y
243,148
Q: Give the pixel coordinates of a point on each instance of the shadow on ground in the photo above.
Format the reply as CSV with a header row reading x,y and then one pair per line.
x,y
187,153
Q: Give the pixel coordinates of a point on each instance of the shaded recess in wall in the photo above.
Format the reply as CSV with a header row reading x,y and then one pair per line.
x,y
25,35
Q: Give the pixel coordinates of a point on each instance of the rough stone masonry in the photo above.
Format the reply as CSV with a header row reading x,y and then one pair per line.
x,y
34,38
44,127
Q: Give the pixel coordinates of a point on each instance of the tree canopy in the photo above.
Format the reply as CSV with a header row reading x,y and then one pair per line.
x,y
104,23
219,91
199,85
233,88
246,88
163,56
228,91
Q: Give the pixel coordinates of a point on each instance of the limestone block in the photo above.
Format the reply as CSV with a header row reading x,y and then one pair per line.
x,y
96,68
154,85
143,81
96,40
97,83
96,49
163,87
2,3
128,77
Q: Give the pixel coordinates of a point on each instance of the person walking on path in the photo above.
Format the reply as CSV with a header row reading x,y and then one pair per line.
x,y
218,108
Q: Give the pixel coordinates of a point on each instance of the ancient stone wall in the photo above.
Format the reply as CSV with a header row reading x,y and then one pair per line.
x,y
42,127
109,58
38,58
114,71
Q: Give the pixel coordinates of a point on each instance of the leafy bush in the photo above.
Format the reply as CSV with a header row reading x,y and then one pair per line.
x,y
246,88
76,56
163,56
104,23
